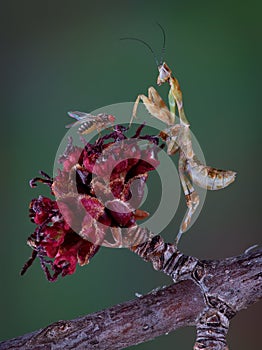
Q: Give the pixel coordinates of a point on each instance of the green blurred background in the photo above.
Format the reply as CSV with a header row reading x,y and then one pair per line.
x,y
63,55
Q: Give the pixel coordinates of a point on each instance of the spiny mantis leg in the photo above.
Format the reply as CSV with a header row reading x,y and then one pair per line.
x,y
155,106
192,198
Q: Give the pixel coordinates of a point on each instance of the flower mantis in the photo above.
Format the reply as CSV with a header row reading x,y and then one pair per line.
x,y
178,139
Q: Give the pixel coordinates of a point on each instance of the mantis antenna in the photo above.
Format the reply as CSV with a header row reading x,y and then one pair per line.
x,y
150,48
164,43
147,45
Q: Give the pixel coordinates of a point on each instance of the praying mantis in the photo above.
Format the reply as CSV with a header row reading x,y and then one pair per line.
x,y
178,139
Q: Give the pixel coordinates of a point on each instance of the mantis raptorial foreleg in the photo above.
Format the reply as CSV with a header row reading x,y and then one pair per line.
x,y
170,136
155,106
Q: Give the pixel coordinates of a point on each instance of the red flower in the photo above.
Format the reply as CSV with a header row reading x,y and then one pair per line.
x,y
42,209
98,192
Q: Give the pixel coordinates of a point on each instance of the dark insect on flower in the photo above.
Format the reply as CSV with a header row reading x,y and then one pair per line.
x,y
97,193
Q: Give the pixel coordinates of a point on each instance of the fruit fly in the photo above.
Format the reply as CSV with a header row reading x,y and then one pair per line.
x,y
88,123
178,139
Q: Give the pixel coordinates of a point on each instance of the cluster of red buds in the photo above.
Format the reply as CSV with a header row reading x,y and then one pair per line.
x,y
98,191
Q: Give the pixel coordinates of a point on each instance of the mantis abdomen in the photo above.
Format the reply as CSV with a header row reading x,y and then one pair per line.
x,y
207,177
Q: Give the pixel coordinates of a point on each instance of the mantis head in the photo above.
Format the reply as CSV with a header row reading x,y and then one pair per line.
x,y
164,74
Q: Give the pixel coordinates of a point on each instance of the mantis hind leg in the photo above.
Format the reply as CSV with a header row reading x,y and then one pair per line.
x,y
192,198
155,106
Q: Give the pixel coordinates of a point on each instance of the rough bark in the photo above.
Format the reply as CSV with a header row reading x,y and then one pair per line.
x,y
206,296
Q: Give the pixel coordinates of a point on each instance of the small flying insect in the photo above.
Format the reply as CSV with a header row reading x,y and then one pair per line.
x,y
178,139
88,123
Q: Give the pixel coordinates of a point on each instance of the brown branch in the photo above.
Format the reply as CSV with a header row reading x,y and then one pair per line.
x,y
123,325
208,297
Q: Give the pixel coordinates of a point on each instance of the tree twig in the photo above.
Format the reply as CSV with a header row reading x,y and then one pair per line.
x,y
123,325
207,294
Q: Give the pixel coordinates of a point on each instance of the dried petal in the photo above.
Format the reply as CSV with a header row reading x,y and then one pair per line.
x,y
121,212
